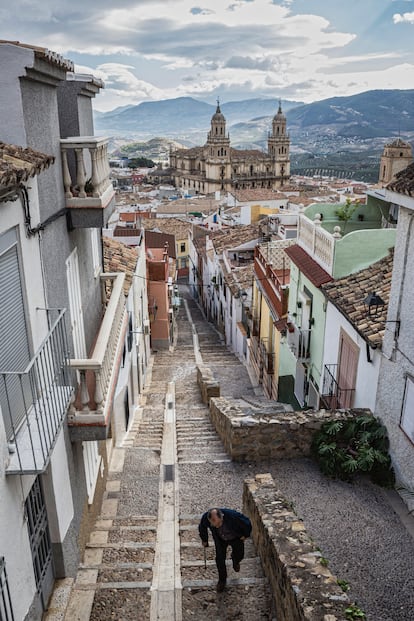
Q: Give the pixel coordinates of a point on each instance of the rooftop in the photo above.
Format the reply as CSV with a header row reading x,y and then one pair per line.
x,y
42,52
257,195
120,258
403,182
172,226
348,295
308,266
18,164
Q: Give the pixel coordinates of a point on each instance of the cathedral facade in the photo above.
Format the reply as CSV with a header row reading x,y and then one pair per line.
x,y
217,166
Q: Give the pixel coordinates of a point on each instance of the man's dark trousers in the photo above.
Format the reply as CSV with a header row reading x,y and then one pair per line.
x,y
237,547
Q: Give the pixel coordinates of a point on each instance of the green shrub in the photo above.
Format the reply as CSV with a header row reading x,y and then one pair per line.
x,y
344,448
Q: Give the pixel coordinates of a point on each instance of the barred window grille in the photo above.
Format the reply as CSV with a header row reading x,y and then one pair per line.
x,y
6,610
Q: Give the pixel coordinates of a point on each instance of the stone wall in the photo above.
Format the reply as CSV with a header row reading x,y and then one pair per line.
x,y
209,387
303,588
250,433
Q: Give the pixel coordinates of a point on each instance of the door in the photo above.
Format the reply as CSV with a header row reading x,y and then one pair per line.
x,y
38,527
347,370
75,305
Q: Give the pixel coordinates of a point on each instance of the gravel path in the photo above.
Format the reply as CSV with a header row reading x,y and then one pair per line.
x,y
353,524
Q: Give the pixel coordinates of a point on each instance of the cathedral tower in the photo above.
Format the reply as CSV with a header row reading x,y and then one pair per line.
x,y
278,146
396,156
217,153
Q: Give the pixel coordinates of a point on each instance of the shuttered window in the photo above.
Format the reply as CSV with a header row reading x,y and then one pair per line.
x,y
14,346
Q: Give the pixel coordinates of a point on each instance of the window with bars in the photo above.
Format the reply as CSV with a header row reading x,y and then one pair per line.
x,y
6,610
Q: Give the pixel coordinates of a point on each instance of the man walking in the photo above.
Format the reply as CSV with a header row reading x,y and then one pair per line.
x,y
228,528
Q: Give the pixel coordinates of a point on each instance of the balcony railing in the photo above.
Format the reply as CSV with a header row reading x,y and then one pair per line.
x,y
317,241
333,396
35,402
91,407
6,609
299,341
86,175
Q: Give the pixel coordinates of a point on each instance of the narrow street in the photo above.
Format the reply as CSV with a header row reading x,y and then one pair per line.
x,y
145,559
145,562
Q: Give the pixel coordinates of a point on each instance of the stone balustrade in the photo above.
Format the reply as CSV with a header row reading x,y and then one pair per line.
x,y
269,432
318,242
97,374
209,387
303,587
86,172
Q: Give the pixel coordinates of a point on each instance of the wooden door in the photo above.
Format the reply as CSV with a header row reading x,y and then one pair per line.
x,y
347,370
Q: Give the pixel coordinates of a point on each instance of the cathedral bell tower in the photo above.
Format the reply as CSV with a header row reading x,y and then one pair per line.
x,y
217,153
278,146
396,156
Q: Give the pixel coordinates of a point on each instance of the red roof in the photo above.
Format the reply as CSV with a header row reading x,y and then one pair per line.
x,y
308,266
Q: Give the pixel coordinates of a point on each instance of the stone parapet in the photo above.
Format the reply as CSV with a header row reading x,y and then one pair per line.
x,y
253,434
303,588
209,387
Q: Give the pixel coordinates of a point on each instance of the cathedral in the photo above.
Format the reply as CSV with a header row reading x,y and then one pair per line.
x,y
217,166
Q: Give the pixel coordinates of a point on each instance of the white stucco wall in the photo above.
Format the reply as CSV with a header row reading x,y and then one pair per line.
x,y
62,492
367,372
398,358
14,536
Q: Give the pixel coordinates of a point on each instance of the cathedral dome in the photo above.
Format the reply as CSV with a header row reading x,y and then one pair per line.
x,y
218,115
279,116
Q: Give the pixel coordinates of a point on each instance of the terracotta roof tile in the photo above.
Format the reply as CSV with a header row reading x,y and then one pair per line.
x,y
120,258
348,295
18,164
310,268
404,181
42,52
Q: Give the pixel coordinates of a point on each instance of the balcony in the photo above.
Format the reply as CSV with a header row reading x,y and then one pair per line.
x,y
298,341
90,410
319,243
86,178
335,397
39,397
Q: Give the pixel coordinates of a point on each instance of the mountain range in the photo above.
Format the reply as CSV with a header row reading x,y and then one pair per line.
x,y
320,126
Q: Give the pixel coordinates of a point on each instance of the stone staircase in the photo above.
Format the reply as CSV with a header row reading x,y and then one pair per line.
x,y
198,442
247,596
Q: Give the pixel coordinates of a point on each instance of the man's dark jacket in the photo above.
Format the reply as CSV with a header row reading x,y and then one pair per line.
x,y
238,523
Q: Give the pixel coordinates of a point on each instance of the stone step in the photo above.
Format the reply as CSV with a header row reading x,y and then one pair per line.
x,y
224,460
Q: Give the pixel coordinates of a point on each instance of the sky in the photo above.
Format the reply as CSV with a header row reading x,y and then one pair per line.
x,y
301,50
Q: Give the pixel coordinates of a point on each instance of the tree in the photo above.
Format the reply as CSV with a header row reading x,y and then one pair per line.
x,y
345,212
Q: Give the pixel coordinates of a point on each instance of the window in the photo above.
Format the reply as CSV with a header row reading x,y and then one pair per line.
x,y
407,414
182,247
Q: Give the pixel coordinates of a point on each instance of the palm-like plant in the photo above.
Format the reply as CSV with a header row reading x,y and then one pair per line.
x,y
344,448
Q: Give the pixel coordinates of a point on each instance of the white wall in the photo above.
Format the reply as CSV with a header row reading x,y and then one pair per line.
x,y
14,538
398,358
367,372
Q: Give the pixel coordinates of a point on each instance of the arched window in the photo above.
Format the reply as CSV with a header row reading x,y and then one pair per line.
x,y
251,169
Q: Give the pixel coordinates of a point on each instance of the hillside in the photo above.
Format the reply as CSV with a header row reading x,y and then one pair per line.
x,y
180,117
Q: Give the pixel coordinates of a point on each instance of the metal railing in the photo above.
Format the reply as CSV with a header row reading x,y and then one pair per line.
x,y
333,396
95,373
6,610
35,401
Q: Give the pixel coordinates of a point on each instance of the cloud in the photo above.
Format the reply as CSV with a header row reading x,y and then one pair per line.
x,y
153,49
399,18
